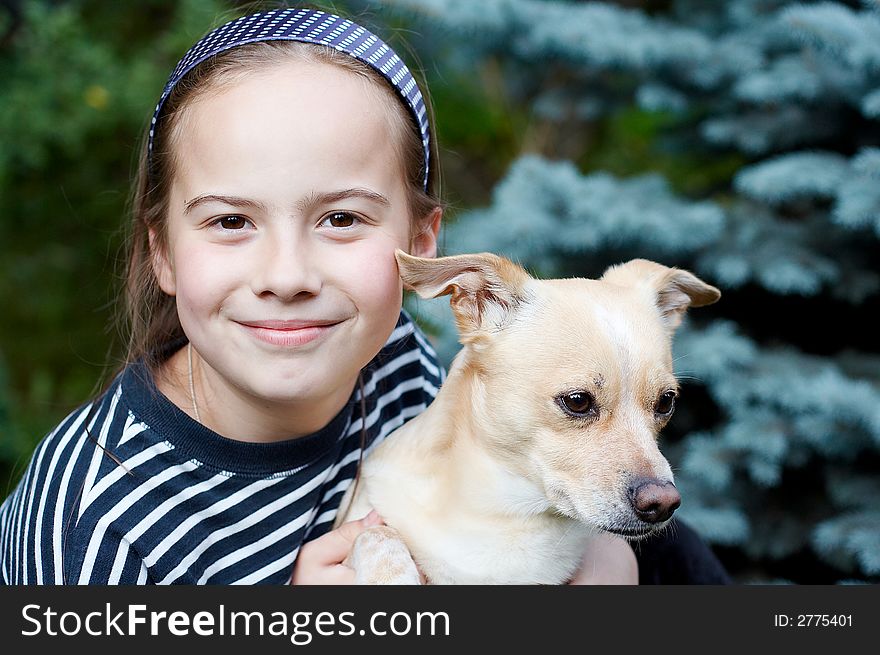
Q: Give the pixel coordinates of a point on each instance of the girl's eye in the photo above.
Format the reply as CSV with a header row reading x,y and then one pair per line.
x,y
340,220
232,222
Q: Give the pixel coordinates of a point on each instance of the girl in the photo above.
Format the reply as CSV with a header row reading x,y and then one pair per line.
x,y
289,155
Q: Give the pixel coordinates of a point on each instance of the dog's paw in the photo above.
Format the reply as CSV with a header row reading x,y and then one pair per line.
x,y
379,556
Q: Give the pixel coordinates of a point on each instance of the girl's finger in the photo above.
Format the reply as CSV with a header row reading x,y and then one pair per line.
x,y
334,546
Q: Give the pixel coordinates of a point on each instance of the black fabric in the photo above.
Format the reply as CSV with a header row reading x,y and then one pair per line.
x,y
679,555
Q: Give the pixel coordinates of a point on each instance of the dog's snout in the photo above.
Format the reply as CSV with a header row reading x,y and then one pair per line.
x,y
653,500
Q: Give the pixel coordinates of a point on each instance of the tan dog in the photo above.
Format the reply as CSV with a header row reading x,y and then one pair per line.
x,y
543,434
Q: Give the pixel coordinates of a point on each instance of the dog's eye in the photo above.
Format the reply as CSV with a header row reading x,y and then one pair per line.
x,y
665,403
578,403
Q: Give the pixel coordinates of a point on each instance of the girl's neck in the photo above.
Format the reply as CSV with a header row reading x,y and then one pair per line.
x,y
232,413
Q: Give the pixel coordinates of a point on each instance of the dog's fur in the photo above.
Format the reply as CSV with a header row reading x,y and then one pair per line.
x,y
496,482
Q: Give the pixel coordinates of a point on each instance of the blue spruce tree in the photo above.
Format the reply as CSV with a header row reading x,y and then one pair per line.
x,y
740,140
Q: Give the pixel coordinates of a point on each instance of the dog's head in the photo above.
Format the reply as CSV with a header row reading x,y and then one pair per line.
x,y
571,379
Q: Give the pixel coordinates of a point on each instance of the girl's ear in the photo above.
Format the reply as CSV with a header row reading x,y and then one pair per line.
x,y
162,268
425,243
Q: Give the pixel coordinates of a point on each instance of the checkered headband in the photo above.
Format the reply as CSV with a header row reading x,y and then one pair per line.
x,y
310,26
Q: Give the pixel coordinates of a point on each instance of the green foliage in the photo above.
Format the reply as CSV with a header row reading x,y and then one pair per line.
x,y
632,142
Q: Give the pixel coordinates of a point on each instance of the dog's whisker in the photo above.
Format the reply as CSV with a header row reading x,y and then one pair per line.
x,y
564,534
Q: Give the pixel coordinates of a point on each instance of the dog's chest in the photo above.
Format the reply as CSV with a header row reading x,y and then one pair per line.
x,y
482,554
453,540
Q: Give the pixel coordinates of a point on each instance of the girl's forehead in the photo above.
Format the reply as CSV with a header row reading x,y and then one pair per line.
x,y
301,89
297,119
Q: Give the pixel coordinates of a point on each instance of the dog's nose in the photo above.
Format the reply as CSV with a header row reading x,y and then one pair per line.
x,y
653,500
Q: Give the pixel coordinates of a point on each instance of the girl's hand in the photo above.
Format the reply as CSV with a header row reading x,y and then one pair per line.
x,y
609,560
320,561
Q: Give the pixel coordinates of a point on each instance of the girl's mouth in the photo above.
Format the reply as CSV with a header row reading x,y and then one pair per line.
x,y
288,333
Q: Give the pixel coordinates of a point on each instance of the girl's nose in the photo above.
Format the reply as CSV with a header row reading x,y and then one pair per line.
x,y
285,267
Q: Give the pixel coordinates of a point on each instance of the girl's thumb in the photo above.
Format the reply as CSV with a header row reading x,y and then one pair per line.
x,y
352,529
372,519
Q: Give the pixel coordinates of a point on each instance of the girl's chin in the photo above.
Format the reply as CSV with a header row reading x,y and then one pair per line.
x,y
294,394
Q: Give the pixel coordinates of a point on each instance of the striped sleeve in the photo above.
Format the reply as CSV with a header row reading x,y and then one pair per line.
x,y
37,517
44,538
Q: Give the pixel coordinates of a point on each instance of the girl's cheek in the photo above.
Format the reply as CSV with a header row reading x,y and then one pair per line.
x,y
375,273
204,272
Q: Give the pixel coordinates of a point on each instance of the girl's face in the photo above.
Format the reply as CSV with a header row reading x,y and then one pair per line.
x,y
286,209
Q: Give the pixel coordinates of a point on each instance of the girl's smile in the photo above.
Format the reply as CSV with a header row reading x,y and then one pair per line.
x,y
289,334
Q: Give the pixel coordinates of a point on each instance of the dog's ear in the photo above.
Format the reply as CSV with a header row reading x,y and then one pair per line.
x,y
485,288
673,290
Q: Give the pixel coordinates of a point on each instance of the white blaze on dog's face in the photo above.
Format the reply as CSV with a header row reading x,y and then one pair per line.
x,y
573,377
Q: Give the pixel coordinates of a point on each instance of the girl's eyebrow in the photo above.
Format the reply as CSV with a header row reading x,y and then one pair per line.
x,y
227,200
317,199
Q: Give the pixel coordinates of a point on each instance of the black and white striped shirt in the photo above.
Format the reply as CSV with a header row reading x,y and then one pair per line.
x,y
184,505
